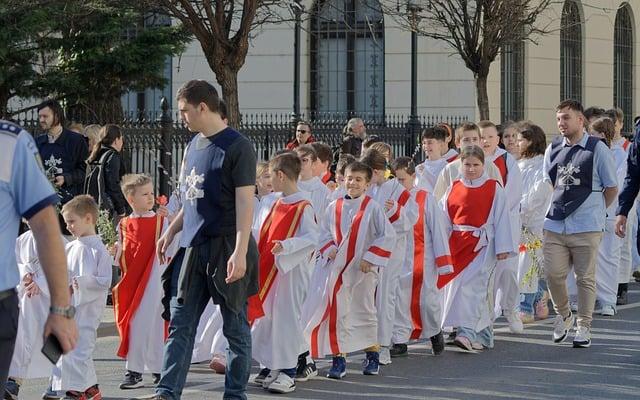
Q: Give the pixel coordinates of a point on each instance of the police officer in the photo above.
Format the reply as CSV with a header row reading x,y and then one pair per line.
x,y
25,192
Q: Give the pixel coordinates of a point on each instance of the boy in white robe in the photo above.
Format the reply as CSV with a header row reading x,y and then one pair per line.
x,y
438,155
478,217
318,192
89,264
506,285
340,190
28,362
356,240
419,305
286,244
402,212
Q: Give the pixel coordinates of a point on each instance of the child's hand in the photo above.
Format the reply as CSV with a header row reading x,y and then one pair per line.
x,y
502,256
332,254
332,185
27,279
75,283
162,211
365,266
32,289
389,204
113,249
277,248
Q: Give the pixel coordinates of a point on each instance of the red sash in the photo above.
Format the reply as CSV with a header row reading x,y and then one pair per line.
x,y
331,311
466,206
452,158
326,177
136,263
625,144
402,201
282,223
419,233
501,163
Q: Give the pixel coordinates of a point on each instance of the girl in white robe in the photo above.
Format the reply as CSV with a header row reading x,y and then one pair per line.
x,y
478,219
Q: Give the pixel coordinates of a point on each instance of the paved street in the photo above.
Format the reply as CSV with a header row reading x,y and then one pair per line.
x,y
525,366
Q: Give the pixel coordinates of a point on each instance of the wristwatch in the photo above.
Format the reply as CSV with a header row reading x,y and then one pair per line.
x,y
67,312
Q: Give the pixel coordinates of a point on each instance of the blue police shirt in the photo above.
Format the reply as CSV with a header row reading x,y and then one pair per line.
x,y
591,215
24,190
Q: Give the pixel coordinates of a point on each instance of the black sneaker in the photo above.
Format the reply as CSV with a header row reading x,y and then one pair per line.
x,y
11,390
302,363
437,343
156,378
623,298
636,276
398,350
451,339
131,380
309,371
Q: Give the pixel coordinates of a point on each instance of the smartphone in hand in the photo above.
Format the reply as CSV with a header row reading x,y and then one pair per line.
x,y
52,348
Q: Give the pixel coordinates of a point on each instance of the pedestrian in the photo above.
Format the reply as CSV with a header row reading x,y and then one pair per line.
x,y
218,256
26,193
353,135
582,172
303,136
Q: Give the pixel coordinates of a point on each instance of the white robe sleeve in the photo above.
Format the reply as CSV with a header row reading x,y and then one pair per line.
x,y
94,280
403,218
535,199
326,239
503,237
443,182
298,250
116,258
513,186
436,227
383,235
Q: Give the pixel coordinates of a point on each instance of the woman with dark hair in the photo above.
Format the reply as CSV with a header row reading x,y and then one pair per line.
x,y
106,168
536,195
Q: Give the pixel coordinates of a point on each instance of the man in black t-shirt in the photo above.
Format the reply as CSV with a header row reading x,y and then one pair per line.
x,y
218,256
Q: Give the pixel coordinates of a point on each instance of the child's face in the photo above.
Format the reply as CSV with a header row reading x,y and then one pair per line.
x,y
405,179
523,143
79,226
277,180
142,198
339,179
472,168
468,138
306,171
263,182
432,148
490,140
356,183
378,177
510,140
318,168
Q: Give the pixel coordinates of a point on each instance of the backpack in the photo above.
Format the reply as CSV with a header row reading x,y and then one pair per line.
x,y
94,183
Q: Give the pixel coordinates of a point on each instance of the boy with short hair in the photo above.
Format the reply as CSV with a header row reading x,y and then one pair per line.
x,y
356,240
310,183
89,266
286,245
436,149
340,189
325,156
137,297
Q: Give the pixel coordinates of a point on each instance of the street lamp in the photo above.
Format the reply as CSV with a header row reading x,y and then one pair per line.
x,y
413,11
297,10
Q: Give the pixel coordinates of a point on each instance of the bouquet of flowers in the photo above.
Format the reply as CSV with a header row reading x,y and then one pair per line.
x,y
531,243
106,229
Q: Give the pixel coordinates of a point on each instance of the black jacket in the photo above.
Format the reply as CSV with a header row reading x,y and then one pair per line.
x,y
113,171
631,185
351,145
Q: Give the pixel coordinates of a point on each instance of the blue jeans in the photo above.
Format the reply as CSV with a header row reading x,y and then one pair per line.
x,y
182,330
528,300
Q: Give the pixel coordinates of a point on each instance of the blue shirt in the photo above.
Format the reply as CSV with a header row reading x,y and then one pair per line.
x,y
24,190
591,215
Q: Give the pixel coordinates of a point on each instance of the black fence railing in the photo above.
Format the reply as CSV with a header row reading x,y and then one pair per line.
x,y
147,133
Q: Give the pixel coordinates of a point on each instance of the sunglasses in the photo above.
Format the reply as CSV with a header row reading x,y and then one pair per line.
x,y
302,130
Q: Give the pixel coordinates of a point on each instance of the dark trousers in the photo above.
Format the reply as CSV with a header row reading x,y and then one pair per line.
x,y
8,333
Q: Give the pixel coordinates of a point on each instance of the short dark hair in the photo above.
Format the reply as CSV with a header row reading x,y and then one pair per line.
x,y
307,150
571,104
374,159
535,135
616,114
198,91
358,166
288,163
435,132
56,108
405,163
472,151
307,123
323,151
344,160
594,112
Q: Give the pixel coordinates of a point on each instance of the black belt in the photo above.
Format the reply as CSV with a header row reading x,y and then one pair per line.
x,y
7,293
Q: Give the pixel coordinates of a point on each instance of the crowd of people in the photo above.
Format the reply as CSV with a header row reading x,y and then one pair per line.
x,y
307,255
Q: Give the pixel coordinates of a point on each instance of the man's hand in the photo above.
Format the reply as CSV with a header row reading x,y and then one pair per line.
x,y
236,267
621,226
163,244
365,266
64,329
59,180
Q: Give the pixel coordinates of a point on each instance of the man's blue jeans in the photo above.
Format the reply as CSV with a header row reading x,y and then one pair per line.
x,y
182,330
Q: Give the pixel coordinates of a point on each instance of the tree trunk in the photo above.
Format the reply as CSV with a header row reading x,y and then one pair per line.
x,y
482,97
4,103
228,80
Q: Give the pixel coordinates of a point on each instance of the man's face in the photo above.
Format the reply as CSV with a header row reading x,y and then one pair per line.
x,y
303,132
47,119
469,138
570,122
490,140
360,130
191,115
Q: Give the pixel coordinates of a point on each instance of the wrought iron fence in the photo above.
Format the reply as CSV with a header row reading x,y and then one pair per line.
x,y
145,135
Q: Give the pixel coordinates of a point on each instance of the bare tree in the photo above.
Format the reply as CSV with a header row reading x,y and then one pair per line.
x,y
476,29
223,28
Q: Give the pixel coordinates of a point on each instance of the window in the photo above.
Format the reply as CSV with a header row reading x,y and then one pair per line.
x,y
571,52
623,65
347,57
512,81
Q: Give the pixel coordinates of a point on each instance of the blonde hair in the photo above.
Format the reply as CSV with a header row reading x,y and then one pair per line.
x,y
131,182
92,132
472,151
261,168
82,205
383,148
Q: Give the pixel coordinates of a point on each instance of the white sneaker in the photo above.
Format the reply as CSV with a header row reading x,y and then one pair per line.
x,y
608,311
582,339
385,356
573,305
515,323
561,327
282,384
273,375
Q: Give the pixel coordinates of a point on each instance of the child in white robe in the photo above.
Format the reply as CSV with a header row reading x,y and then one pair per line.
x,y
286,244
340,190
478,218
318,192
419,305
436,149
89,264
356,240
402,212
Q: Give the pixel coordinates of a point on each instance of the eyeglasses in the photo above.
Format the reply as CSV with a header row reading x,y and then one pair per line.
x,y
302,130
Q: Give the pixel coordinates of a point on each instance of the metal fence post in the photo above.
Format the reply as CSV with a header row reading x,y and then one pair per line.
x,y
165,169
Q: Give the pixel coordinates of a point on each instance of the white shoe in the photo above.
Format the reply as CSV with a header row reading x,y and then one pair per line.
x,y
515,323
282,384
561,327
273,375
385,356
573,305
608,311
582,339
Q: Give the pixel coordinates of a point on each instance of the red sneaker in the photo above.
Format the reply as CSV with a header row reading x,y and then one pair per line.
x,y
74,395
93,393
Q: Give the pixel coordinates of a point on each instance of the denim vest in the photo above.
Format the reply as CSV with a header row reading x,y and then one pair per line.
x,y
571,173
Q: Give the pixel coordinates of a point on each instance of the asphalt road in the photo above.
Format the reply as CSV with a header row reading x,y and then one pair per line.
x,y
527,366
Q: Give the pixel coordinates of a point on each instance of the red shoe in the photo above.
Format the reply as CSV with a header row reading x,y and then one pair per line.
x,y
74,395
93,393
